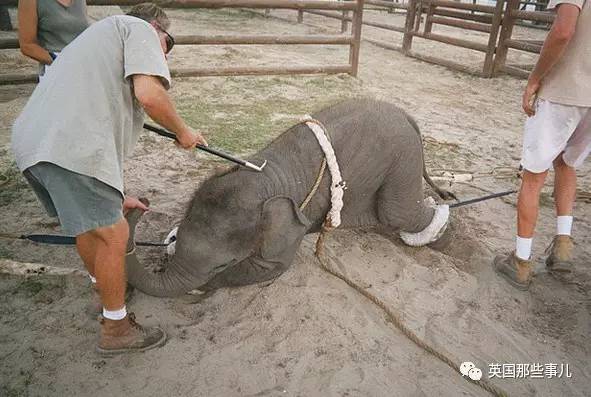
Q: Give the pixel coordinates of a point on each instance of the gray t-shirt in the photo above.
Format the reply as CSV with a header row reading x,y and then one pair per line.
x,y
58,25
569,81
83,115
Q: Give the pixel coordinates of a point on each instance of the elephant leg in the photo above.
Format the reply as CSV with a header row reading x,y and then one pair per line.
x,y
400,199
249,271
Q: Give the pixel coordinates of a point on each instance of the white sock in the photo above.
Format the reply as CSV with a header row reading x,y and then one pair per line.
x,y
523,248
564,224
92,279
116,314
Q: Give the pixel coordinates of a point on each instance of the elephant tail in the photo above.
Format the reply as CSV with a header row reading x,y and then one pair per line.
x,y
444,194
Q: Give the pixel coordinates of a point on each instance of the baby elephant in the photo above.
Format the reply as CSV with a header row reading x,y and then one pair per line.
x,y
245,227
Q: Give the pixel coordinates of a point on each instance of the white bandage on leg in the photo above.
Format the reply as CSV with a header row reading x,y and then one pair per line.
x,y
115,314
171,241
564,224
433,231
523,247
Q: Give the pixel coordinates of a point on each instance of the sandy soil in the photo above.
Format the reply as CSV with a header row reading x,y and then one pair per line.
x,y
309,333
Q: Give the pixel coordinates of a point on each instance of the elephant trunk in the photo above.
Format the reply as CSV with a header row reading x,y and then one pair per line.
x,y
171,282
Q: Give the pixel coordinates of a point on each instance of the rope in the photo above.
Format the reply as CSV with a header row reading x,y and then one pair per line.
x,y
315,187
337,187
333,220
395,319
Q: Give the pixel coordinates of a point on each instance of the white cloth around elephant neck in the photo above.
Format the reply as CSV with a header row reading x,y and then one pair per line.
x,y
338,186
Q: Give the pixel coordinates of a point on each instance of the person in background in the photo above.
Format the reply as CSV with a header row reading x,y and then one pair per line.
x,y
84,117
5,22
47,26
557,133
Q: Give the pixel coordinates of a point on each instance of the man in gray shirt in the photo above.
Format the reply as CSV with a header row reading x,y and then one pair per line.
x,y
81,121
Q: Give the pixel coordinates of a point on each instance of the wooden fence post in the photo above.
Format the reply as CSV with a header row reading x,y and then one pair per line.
x,y
300,16
356,25
428,18
487,69
506,32
344,22
409,26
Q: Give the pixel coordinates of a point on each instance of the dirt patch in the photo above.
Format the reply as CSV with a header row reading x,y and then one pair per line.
x,y
308,333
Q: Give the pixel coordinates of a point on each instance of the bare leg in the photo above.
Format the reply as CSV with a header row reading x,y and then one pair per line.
x,y
109,246
86,245
528,203
565,187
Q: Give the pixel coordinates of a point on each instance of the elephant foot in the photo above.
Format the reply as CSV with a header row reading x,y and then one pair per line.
x,y
196,296
433,231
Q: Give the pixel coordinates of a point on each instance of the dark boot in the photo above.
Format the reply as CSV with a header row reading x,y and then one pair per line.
x,y
126,336
517,272
561,253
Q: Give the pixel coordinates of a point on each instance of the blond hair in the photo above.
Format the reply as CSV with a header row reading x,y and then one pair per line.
x,y
150,12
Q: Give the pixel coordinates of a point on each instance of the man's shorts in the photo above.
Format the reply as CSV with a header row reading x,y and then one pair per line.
x,y
554,129
81,203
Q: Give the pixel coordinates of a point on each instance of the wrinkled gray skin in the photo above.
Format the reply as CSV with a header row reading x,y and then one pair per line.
x,y
244,227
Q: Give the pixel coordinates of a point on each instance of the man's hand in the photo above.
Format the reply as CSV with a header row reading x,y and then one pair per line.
x,y
560,35
130,203
529,97
189,139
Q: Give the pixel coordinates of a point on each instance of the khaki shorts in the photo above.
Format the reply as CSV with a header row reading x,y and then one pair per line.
x,y
554,129
80,202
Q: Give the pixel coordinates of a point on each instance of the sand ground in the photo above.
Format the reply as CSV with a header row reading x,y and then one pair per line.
x,y
309,334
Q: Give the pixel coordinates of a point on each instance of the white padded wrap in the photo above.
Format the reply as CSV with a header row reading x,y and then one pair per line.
x,y
337,186
433,231
171,247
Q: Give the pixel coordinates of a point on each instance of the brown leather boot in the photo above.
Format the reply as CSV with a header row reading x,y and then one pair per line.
x,y
126,336
561,253
517,272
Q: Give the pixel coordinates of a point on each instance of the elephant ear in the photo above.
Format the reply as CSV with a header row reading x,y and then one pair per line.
x,y
283,228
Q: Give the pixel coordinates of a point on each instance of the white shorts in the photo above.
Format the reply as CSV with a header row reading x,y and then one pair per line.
x,y
554,129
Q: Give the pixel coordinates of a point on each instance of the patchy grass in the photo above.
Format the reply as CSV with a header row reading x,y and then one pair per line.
x,y
277,103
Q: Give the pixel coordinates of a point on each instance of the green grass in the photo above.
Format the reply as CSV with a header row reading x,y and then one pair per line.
x,y
241,126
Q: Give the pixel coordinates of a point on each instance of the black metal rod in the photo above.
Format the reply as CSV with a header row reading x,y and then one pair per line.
x,y
479,199
65,240
167,134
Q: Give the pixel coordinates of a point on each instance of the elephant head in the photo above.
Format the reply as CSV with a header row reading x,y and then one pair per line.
x,y
233,234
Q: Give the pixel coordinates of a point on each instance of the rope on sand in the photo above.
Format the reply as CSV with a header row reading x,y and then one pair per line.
x,y
395,319
333,220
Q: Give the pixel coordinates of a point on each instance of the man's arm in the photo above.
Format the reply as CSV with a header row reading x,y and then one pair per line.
x,y
556,42
27,32
155,100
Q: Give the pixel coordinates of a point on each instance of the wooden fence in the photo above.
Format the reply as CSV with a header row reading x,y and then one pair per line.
x,y
473,17
352,40
497,21
345,18
513,15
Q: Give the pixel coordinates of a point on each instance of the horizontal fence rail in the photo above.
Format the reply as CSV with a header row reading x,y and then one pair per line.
x,y
234,39
352,40
513,15
474,17
285,4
